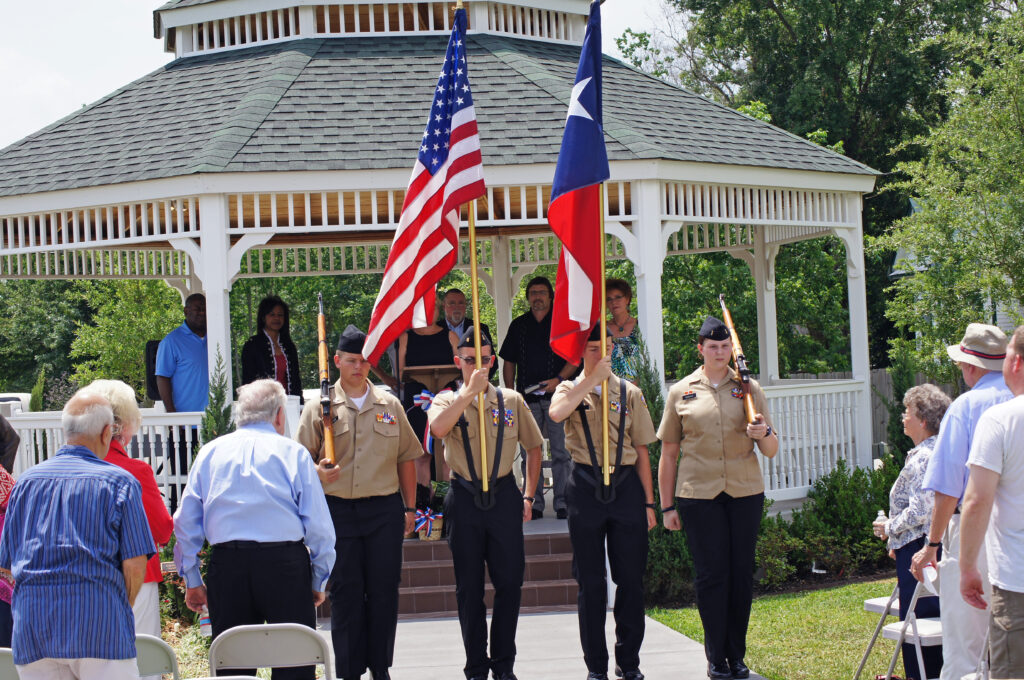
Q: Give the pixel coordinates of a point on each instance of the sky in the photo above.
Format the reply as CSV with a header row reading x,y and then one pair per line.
x,y
59,55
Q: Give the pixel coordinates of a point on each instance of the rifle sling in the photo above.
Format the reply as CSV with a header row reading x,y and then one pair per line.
x,y
468,447
615,476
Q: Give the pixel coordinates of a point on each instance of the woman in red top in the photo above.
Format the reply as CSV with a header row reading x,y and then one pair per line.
x,y
127,419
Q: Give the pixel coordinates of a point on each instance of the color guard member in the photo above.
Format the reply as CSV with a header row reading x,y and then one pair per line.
x,y
719,492
622,517
486,527
370,492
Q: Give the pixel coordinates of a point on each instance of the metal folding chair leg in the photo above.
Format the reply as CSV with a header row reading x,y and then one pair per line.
x,y
878,630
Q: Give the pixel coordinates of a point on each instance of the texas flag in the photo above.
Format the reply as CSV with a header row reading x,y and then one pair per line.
x,y
574,213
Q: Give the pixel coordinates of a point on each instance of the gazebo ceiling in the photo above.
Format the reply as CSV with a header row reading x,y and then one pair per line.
x,y
358,103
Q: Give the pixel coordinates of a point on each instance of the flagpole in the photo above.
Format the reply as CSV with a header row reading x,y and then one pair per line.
x,y
482,397
605,467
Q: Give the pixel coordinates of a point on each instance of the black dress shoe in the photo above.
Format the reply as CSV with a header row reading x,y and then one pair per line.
x,y
537,514
597,676
380,675
739,669
719,671
633,675
562,513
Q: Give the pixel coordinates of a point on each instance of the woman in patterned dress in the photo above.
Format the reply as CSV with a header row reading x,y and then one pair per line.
x,y
910,513
624,330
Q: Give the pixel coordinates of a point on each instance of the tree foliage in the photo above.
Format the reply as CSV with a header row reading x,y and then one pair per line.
x,y
112,344
962,249
861,73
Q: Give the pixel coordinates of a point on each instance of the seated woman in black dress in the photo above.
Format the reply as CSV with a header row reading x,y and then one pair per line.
x,y
430,346
271,353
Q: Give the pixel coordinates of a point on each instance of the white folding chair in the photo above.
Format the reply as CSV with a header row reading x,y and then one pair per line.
x,y
918,632
273,645
154,656
7,669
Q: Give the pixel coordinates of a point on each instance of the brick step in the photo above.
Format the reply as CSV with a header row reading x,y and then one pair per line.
x,y
441,573
434,600
415,550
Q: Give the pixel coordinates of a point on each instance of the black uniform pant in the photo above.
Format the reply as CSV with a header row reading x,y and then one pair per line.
x,y
926,607
623,523
364,583
722,534
494,537
265,584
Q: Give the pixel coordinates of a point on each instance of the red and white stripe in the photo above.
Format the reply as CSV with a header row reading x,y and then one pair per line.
x,y
425,247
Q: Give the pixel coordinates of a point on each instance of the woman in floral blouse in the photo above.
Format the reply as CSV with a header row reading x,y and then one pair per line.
x,y
910,512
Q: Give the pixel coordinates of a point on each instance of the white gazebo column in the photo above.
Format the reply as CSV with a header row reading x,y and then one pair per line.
x,y
214,272
859,356
648,260
767,321
501,290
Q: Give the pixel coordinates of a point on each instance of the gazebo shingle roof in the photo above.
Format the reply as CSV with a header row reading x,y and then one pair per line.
x,y
359,103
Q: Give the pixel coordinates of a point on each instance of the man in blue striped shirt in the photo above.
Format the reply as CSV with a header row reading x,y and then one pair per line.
x,y
76,541
255,496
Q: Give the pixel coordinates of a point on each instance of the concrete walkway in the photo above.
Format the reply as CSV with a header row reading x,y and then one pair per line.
x,y
548,649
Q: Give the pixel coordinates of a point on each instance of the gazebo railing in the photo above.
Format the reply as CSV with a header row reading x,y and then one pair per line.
x,y
160,436
816,421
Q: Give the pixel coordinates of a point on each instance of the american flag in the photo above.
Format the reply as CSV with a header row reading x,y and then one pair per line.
x,y
448,172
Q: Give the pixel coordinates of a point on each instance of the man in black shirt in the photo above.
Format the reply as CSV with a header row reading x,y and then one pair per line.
x,y
536,370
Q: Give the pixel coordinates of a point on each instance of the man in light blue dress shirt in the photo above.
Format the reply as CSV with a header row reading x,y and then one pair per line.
x,y
980,357
255,496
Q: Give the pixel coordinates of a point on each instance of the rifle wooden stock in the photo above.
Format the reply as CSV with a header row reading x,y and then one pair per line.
x,y
323,357
741,362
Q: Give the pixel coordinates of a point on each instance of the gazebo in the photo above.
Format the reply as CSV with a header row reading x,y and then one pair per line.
x,y
279,142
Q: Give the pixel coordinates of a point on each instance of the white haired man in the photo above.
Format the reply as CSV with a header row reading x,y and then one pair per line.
x,y
996,490
255,496
76,541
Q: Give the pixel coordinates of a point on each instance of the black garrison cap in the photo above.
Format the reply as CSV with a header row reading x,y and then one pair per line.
x,y
595,332
351,340
467,339
714,329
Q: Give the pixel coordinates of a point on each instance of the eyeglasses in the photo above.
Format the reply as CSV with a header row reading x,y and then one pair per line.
x,y
616,298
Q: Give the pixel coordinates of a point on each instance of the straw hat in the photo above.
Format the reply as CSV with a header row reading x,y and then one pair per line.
x,y
983,346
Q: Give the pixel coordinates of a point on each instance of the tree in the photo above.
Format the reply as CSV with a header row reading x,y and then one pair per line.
x,y
964,246
861,72
112,343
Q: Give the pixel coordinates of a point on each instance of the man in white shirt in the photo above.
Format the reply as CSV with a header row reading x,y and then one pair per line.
x,y
996,489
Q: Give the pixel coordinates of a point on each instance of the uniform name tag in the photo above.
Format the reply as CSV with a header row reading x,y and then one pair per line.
x,y
737,392
689,395
386,418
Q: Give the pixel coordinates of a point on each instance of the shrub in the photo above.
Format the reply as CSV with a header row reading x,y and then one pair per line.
x,y
217,418
35,401
773,555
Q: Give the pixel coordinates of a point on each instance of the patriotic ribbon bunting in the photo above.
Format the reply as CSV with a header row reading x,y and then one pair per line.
x,y
425,519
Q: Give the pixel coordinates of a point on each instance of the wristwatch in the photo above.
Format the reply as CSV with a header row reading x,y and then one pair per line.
x,y
652,506
528,498
934,544
670,508
410,509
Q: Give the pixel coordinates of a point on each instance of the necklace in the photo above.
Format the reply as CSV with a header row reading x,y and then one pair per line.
x,y
622,327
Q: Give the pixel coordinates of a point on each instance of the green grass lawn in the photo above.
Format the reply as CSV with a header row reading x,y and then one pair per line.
x,y
814,635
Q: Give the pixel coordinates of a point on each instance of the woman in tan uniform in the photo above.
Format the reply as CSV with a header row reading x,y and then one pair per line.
x,y
708,464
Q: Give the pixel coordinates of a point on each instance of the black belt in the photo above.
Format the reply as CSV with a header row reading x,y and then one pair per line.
x,y
249,545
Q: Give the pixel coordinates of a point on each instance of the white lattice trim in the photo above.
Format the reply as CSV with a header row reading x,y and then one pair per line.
x,y
701,202
241,31
96,264
106,225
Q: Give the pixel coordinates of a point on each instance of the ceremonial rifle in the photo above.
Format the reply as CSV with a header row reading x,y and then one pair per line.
x,y
741,362
325,380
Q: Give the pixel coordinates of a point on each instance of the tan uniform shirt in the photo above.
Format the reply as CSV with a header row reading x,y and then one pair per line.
x,y
715,453
520,428
369,442
638,425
